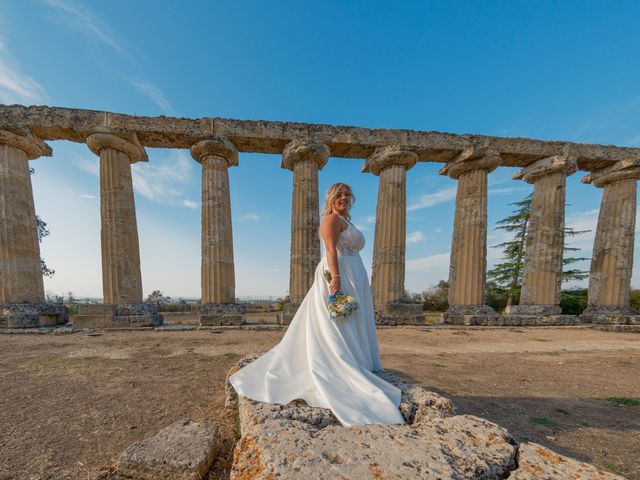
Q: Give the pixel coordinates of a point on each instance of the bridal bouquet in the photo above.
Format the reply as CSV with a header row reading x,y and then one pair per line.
x,y
340,305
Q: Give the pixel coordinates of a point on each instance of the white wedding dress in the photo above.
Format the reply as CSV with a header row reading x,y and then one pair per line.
x,y
328,363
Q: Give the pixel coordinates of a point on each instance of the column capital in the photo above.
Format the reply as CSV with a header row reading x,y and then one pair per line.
x,y
547,166
472,158
299,150
216,146
621,170
24,140
383,157
125,143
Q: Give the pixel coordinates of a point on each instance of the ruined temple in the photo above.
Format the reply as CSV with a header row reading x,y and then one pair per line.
x,y
120,140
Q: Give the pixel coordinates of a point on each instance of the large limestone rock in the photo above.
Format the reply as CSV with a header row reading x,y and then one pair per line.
x,y
296,441
536,462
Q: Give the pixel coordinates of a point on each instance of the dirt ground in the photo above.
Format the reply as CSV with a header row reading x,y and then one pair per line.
x,y
69,404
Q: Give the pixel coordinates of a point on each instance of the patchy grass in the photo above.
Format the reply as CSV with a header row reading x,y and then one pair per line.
x,y
561,411
615,468
439,365
626,401
543,421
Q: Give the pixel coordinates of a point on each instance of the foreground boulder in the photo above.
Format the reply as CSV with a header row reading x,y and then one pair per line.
x,y
536,462
296,441
185,450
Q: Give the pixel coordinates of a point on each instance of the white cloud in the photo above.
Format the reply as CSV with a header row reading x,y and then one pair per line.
x,y
85,195
431,199
251,216
161,181
415,237
493,191
15,85
154,93
433,263
85,21
89,165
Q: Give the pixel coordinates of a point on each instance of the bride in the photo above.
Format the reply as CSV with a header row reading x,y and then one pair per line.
x,y
329,363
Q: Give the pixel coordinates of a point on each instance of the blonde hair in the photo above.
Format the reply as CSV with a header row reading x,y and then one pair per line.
x,y
331,195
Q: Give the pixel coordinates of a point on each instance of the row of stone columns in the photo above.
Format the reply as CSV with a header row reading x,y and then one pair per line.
x,y
21,279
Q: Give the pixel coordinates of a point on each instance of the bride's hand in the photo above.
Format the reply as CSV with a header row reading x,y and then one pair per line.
x,y
334,286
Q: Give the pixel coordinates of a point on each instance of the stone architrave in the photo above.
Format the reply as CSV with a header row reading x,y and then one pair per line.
x,y
21,286
612,258
542,271
121,276
304,158
217,154
390,164
467,271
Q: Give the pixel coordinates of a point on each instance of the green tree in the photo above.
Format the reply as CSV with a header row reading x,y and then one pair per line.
x,y
43,232
436,298
505,278
156,297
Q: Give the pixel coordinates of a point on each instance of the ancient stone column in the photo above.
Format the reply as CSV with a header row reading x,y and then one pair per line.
x,y
121,277
21,286
612,260
390,164
542,271
305,159
20,270
467,271
216,155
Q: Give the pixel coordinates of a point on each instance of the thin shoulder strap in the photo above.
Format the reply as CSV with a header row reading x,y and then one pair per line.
x,y
348,223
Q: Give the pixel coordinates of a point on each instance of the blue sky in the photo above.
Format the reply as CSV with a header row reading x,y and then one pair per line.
x,y
547,70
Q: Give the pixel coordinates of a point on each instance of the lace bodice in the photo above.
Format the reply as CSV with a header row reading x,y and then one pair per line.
x,y
350,241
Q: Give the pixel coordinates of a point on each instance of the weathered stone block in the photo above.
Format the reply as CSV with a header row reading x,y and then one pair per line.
x,y
96,309
183,450
536,462
222,314
533,310
31,315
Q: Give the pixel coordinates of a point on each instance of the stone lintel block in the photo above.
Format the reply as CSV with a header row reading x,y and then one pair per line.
x,y
288,312
131,309
384,157
116,321
290,308
222,314
183,450
537,320
217,146
97,309
536,462
472,158
533,310
622,170
610,315
398,313
469,315
610,319
305,150
546,166
29,315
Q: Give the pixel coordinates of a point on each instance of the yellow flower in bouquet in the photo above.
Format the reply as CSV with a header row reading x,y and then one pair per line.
x,y
340,305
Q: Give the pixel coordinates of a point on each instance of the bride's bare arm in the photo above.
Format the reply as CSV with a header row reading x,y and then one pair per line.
x,y
330,230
